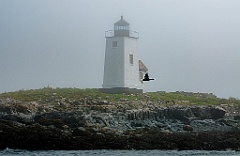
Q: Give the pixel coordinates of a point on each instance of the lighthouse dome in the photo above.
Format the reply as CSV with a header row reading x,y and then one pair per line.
x,y
121,25
121,22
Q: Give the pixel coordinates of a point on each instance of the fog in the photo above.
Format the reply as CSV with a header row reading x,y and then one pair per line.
x,y
187,45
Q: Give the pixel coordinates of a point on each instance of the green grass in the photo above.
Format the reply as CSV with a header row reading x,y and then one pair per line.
x,y
46,93
193,100
74,93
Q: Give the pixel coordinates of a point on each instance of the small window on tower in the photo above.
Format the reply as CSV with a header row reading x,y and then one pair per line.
x,y
131,58
114,44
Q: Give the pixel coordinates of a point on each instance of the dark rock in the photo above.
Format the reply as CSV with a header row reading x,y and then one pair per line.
x,y
217,113
237,117
80,131
73,119
18,136
188,128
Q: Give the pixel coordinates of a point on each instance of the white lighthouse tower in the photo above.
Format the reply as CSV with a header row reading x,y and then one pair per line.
x,y
123,71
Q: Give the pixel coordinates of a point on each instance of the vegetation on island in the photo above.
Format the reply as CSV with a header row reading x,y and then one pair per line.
x,y
170,98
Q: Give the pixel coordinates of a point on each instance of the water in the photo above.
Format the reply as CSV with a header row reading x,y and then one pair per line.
x,y
11,152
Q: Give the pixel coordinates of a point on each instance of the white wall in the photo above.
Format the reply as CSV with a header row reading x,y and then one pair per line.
x,y
114,66
118,71
131,77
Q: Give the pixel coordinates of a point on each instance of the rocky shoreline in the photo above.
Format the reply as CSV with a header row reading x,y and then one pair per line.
x,y
38,137
95,123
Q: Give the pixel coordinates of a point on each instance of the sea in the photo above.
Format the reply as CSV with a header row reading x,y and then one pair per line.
x,y
15,152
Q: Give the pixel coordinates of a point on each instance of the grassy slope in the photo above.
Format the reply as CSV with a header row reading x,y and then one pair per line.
x,y
75,93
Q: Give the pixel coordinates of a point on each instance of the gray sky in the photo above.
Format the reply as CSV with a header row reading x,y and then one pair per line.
x,y
187,45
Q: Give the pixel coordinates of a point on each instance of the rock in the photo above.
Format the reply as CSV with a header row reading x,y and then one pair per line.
x,y
72,119
65,127
188,128
80,131
217,113
237,117
104,102
233,123
51,126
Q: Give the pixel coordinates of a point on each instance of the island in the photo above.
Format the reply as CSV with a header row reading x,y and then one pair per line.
x,y
87,119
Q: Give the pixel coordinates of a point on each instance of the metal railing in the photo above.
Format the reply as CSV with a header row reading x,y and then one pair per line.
x,y
132,34
109,33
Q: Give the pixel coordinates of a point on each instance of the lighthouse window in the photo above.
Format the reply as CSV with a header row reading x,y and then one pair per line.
x,y
117,27
114,44
131,58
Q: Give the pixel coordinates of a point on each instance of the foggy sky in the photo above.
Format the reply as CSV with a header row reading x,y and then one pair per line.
x,y
187,45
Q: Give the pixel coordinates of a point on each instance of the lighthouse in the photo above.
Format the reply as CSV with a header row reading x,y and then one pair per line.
x,y
123,71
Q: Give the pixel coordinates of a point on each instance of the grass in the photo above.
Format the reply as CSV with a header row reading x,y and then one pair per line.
x,y
75,93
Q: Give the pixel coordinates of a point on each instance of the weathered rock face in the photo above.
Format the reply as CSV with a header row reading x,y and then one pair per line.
x,y
126,115
58,119
99,124
89,114
179,113
37,137
175,118
19,113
